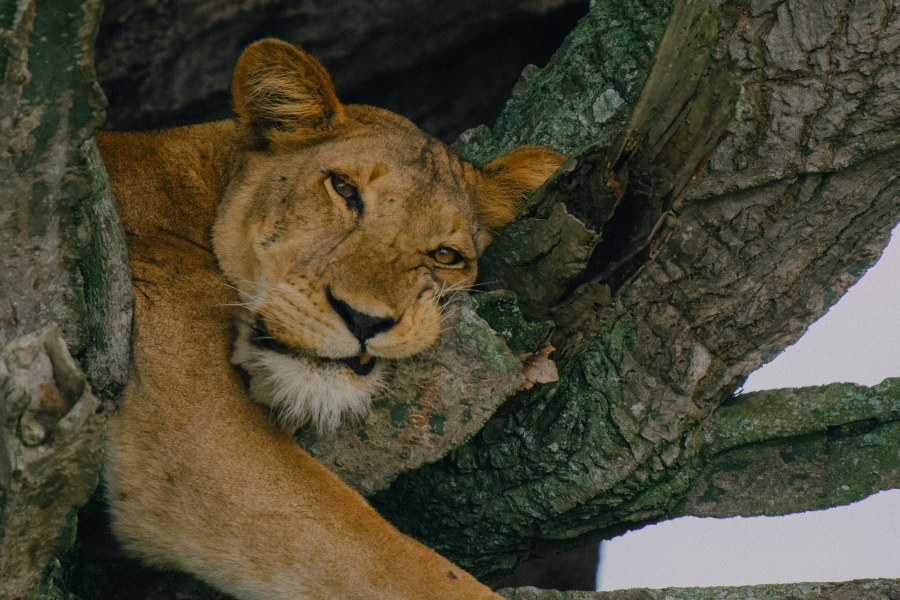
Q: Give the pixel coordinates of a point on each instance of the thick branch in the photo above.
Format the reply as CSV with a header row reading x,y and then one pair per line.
x,y
861,589
109,297
50,447
63,282
427,410
789,212
784,451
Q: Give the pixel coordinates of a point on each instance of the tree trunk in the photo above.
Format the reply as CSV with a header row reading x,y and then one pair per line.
x,y
860,589
64,287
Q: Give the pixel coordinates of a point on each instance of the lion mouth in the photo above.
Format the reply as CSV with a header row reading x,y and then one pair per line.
x,y
361,364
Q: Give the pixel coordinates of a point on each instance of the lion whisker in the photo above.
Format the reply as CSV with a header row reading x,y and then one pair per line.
x,y
259,285
256,299
452,289
255,303
447,312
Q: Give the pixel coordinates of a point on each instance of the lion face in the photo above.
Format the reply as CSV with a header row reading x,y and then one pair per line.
x,y
343,228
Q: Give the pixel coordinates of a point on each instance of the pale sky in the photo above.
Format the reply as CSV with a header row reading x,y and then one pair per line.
x,y
856,341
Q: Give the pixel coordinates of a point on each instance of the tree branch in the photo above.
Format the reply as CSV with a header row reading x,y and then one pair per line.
x,y
791,450
861,589
788,213
63,280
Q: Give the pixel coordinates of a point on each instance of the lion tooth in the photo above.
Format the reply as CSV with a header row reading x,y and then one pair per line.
x,y
364,357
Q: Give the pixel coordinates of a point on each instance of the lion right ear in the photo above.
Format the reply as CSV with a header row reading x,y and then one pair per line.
x,y
281,94
504,184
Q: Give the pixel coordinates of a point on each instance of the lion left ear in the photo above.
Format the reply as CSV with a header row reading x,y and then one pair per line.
x,y
281,93
505,183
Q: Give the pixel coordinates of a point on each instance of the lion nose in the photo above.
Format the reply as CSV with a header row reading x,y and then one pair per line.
x,y
361,325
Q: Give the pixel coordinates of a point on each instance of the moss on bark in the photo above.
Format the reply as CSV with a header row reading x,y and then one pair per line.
x,y
760,243
55,292
862,589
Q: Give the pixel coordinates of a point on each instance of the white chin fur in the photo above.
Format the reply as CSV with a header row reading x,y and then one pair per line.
x,y
301,390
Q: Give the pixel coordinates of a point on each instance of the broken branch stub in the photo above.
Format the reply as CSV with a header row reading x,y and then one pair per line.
x,y
51,434
595,219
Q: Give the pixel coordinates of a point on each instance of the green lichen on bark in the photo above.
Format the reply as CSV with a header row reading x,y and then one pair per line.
x,y
501,311
586,92
789,412
597,216
861,589
790,450
50,105
538,257
756,251
547,457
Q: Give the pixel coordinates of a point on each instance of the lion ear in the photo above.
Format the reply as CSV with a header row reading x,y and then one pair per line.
x,y
505,183
282,93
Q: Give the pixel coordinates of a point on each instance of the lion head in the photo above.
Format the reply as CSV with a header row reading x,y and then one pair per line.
x,y
342,228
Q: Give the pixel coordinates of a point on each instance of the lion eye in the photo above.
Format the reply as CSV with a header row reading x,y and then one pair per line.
x,y
447,256
346,190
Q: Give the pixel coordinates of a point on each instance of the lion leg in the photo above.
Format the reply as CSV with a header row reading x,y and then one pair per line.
x,y
202,479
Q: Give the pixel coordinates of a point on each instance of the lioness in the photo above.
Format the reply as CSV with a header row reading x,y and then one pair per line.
x,y
315,240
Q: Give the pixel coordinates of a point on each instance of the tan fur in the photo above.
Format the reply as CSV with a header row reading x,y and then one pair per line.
x,y
236,225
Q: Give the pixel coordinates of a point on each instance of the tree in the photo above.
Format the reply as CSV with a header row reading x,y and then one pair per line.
x,y
731,174
64,287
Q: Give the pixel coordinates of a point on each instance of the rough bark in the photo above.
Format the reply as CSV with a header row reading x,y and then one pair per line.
x,y
427,410
63,287
789,211
791,450
862,589
52,440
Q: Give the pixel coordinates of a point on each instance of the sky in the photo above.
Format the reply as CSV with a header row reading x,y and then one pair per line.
x,y
855,341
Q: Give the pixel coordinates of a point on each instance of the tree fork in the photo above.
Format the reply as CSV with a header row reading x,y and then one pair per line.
x,y
789,211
